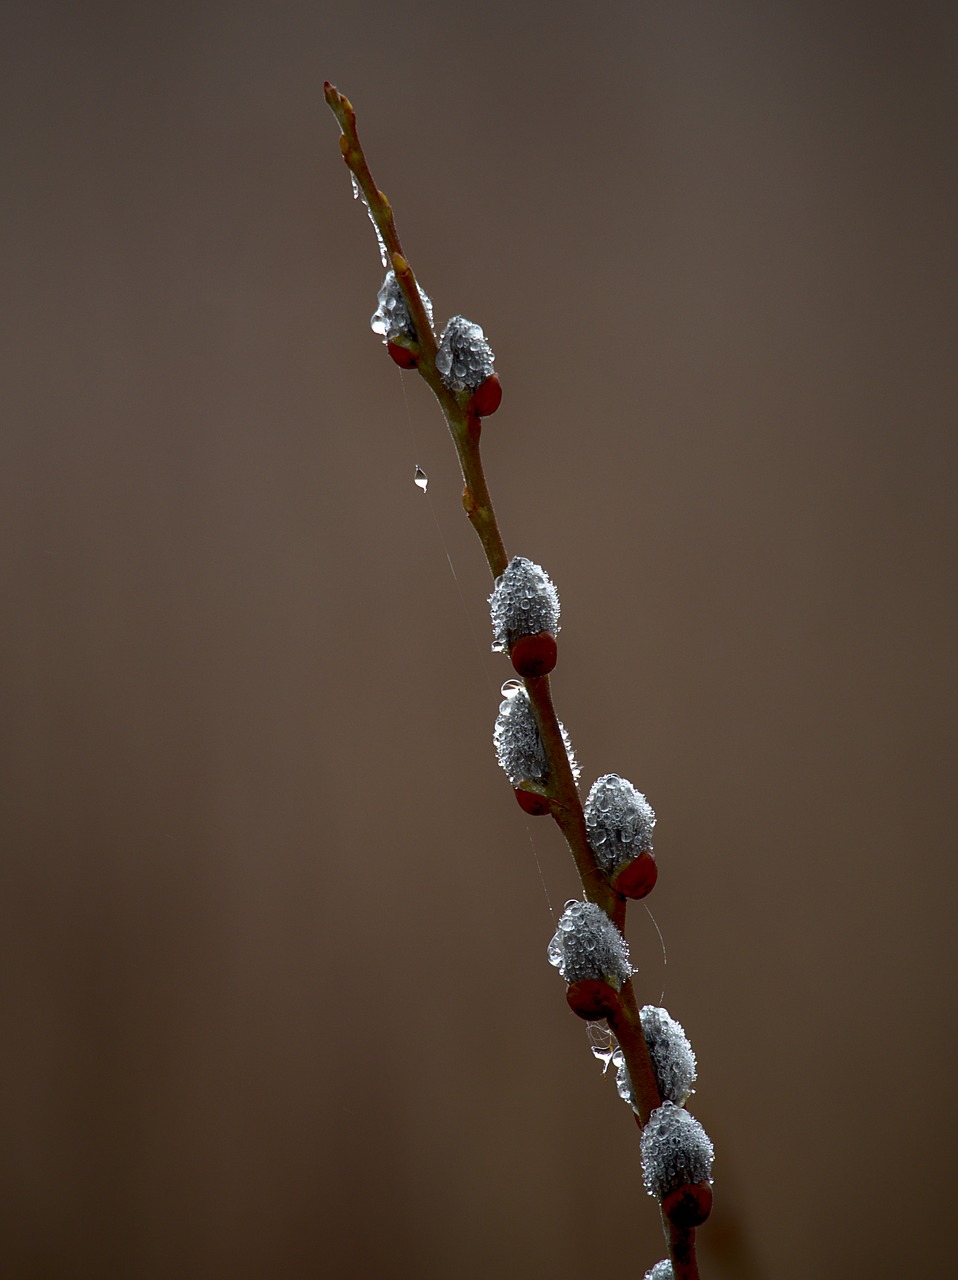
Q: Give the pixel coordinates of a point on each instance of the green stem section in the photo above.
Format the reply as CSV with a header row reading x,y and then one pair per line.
x,y
565,804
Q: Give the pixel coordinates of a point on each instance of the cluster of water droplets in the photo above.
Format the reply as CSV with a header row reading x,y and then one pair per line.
x,y
358,195
523,603
672,1058
587,945
661,1271
517,741
516,737
671,1053
618,820
391,318
464,358
676,1151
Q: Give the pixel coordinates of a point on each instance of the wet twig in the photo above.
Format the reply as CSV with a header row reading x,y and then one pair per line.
x,y
559,792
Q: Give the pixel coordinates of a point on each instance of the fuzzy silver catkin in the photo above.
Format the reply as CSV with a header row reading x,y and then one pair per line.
x,y
618,821
523,603
587,945
516,737
672,1058
391,318
676,1151
661,1271
464,358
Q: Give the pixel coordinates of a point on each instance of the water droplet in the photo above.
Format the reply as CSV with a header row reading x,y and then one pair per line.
x,y
358,195
383,255
421,479
604,1055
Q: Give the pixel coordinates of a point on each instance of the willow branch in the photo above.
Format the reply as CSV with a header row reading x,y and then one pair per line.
x,y
464,427
565,803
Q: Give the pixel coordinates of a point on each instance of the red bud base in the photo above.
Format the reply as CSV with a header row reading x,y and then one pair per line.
x,y
487,397
534,655
592,999
402,355
688,1206
532,803
637,878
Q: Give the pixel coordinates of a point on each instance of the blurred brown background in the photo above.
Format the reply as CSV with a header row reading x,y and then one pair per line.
x,y
275,996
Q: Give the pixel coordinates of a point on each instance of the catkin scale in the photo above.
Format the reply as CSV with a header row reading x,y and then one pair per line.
x,y
689,1205
532,803
534,656
401,355
637,878
592,998
486,398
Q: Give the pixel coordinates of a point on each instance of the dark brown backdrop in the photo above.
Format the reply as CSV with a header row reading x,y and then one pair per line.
x,y
275,994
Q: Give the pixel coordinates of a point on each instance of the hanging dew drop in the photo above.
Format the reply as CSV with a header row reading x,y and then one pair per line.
x,y
421,479
604,1055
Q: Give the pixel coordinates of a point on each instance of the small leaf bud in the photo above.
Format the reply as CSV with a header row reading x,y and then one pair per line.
x,y
619,822
464,358
392,319
592,956
516,737
676,1151
486,398
524,603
